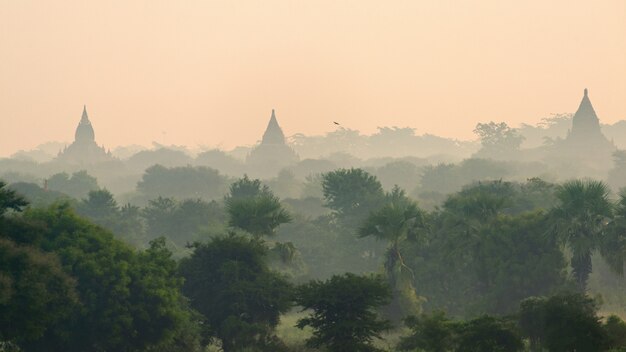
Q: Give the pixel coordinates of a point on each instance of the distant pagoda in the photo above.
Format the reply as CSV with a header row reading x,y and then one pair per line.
x,y
84,149
586,125
272,153
585,142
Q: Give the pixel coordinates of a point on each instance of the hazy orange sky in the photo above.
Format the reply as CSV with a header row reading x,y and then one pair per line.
x,y
209,72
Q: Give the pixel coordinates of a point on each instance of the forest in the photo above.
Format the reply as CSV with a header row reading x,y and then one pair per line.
x,y
348,259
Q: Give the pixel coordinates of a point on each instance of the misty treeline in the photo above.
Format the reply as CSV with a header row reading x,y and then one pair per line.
x,y
450,257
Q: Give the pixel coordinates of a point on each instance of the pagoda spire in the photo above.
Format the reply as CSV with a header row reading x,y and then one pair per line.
x,y
585,123
273,133
84,117
84,131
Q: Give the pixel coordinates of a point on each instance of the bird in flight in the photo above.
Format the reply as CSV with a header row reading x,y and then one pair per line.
x,y
336,123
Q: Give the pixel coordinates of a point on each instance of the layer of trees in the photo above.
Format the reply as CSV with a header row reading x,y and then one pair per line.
x,y
509,264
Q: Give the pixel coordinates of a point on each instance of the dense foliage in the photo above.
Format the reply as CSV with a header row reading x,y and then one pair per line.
x,y
229,282
343,315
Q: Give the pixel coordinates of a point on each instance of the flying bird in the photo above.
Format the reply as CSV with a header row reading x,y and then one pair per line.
x,y
336,123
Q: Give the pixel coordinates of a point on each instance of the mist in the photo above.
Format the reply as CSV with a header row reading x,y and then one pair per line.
x,y
312,177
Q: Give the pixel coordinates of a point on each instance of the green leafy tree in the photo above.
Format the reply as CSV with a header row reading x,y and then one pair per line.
x,y
430,333
10,200
615,330
399,220
498,139
78,185
613,242
482,252
254,208
488,334
562,323
352,194
128,301
580,220
183,182
35,292
100,206
532,320
228,281
343,314
246,188
181,222
437,333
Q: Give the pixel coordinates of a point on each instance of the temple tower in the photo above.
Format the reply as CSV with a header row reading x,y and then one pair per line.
x,y
585,124
84,150
273,153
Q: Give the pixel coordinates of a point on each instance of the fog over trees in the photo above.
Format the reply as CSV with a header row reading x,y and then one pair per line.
x,y
342,242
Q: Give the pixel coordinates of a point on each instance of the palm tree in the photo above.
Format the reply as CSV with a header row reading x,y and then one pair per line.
x,y
260,215
253,207
613,244
398,220
580,221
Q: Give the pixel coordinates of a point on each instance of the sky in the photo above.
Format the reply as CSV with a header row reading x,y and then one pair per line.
x,y
207,73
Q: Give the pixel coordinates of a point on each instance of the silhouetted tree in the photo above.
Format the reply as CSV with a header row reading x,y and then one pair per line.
x,y
254,208
397,221
579,220
562,323
10,200
128,301
352,194
497,139
78,185
229,282
343,314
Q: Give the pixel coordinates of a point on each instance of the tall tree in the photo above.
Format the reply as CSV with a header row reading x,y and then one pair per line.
x,y
343,314
254,208
229,282
397,221
10,200
497,139
352,194
580,221
128,301
35,292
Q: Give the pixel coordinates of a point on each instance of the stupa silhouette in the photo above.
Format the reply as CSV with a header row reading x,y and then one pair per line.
x,y
273,153
84,150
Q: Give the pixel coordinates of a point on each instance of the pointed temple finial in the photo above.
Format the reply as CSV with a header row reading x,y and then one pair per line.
x,y
586,91
84,117
273,133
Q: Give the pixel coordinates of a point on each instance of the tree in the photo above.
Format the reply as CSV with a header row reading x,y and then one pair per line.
x,y
498,139
35,292
182,182
78,185
352,194
128,301
613,242
343,314
488,334
10,200
397,221
430,333
579,222
255,209
228,281
615,329
246,188
562,323
483,251
437,333
100,207
181,222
